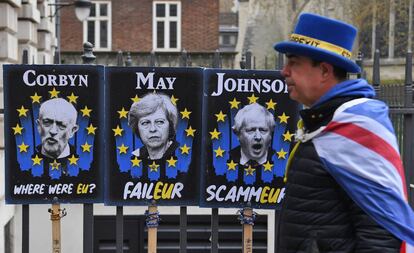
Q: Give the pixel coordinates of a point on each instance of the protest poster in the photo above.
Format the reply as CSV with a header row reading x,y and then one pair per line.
x,y
53,128
249,122
153,135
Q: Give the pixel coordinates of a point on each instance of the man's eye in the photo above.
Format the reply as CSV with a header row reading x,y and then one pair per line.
x,y
263,130
46,122
61,126
144,123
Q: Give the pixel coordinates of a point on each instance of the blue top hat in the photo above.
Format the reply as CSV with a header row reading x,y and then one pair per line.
x,y
322,39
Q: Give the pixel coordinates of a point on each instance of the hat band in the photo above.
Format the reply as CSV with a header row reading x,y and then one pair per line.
x,y
320,44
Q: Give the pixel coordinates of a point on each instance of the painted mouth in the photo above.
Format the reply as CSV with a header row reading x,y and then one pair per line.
x,y
257,147
51,141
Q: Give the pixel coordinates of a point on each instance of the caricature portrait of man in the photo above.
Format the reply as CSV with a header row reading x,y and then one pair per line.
x,y
56,125
254,126
154,119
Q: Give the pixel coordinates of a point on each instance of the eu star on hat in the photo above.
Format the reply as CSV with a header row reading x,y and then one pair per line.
x,y
322,39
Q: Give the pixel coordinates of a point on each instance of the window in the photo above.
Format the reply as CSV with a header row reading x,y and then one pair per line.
x,y
166,28
97,28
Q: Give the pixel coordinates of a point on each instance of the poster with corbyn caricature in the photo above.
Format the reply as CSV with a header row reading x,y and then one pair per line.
x,y
53,133
153,133
249,122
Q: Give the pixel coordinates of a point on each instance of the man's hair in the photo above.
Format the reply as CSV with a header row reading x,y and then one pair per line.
x,y
240,117
149,104
339,73
60,104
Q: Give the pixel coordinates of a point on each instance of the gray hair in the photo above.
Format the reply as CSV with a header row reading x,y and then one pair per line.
x,y
149,104
62,105
240,117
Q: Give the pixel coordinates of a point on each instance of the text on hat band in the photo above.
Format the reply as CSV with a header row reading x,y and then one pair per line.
x,y
320,44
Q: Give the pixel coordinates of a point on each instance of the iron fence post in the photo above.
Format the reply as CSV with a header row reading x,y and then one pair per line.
x,y
128,61
376,73
183,209
215,211
408,128
25,208
88,58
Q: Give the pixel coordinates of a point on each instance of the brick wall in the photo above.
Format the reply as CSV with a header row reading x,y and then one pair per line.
x,y
132,26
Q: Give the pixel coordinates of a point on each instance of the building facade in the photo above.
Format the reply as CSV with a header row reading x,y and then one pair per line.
x,y
141,27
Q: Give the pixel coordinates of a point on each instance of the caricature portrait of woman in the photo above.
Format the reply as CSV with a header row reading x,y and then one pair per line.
x,y
154,119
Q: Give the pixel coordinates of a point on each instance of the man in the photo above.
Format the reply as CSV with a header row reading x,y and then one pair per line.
x,y
254,126
345,188
56,125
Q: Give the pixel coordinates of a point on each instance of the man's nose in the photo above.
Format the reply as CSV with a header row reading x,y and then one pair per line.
x,y
257,135
285,71
53,130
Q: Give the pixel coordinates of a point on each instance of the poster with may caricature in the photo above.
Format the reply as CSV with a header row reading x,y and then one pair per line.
x,y
53,133
153,133
249,122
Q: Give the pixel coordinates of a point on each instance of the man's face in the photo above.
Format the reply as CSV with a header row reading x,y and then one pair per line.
x,y
55,128
153,129
303,79
255,136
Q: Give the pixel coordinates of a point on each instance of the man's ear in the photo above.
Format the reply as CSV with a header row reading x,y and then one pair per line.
x,y
327,70
74,130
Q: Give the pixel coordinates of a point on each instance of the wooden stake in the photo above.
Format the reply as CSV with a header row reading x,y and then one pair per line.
x,y
152,231
55,218
247,231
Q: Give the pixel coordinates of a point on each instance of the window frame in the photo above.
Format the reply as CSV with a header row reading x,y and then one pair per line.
x,y
97,20
167,20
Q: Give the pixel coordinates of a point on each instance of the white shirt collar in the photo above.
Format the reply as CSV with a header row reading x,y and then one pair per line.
x,y
244,159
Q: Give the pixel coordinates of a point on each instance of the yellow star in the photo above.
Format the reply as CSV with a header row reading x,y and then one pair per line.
x,y
220,116
185,149
135,99
17,129
154,166
54,93
231,165
249,170
234,104
190,131
185,114
135,162
91,129
86,147
73,160
36,98
174,100
252,99
123,113
287,136
23,147
36,160
281,154
72,98
22,111
215,134
117,131
86,111
283,118
267,166
55,165
271,105
219,152
171,162
122,149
